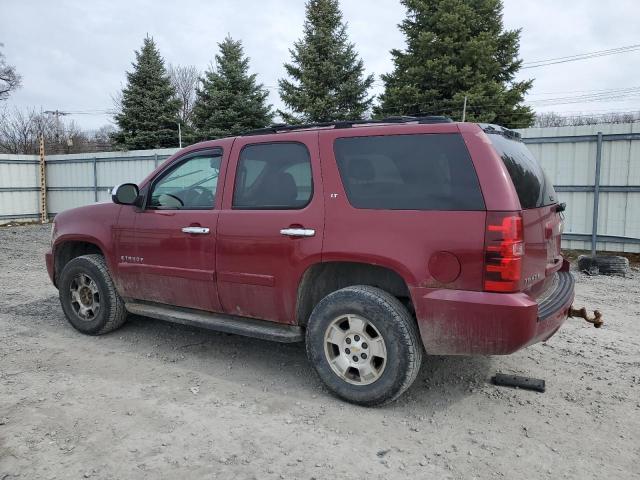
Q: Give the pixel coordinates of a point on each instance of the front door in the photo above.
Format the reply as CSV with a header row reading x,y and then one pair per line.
x,y
175,234
271,225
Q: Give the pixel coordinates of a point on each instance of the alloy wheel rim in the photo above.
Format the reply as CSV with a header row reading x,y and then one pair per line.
x,y
355,349
85,297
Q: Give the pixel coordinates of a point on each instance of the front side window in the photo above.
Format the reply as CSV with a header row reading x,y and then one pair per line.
x,y
408,172
191,185
273,176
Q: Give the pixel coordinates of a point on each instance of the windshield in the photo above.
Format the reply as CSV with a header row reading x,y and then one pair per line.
x,y
532,184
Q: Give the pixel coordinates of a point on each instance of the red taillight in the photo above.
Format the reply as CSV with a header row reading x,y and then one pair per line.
x,y
504,249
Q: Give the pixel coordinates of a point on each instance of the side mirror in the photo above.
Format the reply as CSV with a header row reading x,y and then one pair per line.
x,y
124,194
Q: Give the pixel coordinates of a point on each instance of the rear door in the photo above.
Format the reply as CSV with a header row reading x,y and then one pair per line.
x,y
541,220
271,225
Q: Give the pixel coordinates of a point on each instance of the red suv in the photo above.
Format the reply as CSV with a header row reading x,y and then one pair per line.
x,y
371,241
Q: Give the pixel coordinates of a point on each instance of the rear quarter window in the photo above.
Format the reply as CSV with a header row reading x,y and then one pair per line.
x,y
408,172
532,185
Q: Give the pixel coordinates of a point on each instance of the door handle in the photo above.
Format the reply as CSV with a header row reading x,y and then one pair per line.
x,y
196,230
297,232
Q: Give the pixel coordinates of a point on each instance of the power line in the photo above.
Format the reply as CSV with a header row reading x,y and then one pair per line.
x,y
614,99
437,108
566,92
582,56
595,112
613,95
456,108
599,52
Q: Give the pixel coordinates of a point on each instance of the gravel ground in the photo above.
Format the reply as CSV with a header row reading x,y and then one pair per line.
x,y
155,400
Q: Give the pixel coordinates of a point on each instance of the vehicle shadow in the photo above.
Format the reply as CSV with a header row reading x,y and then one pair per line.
x,y
442,381
247,361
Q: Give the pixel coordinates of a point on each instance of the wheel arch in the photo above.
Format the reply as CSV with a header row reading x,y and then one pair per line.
x,y
66,249
321,279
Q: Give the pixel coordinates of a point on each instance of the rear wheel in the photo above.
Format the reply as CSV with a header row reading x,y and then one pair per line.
x,y
88,296
364,344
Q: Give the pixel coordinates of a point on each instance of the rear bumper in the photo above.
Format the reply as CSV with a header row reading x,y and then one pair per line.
x,y
456,322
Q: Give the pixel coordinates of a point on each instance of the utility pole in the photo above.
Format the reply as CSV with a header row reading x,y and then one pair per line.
x,y
464,109
57,113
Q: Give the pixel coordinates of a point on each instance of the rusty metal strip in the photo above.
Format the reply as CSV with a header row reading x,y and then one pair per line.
x,y
44,217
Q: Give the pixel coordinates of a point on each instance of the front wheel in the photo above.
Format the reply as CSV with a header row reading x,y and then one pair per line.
x,y
88,296
364,344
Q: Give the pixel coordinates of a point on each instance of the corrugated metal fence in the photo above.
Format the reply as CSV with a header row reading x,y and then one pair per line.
x,y
596,171
569,155
71,180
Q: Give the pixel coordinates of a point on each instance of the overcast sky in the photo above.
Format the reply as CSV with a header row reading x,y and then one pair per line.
x,y
73,54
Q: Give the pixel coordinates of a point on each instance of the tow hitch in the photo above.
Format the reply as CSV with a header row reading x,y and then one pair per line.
x,y
596,320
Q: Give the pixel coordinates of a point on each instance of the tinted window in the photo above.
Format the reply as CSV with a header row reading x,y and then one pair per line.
x,y
408,172
189,186
532,185
273,176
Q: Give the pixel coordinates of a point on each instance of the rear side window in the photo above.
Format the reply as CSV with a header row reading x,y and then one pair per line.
x,y
532,184
408,172
273,176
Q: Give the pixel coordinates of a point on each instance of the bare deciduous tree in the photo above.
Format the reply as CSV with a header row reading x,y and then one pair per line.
x,y
116,100
553,119
20,132
101,138
69,138
184,80
9,78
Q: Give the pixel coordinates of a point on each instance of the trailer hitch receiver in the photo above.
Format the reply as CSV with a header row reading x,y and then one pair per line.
x,y
596,320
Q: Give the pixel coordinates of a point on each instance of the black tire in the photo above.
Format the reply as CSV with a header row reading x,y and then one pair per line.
x,y
110,313
604,264
395,325
587,265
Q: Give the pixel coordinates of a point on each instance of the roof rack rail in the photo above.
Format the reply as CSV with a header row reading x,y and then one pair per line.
x,y
434,119
283,127
500,130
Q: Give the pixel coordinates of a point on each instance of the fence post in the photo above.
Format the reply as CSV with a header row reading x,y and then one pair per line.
x,y
155,159
44,216
95,179
596,196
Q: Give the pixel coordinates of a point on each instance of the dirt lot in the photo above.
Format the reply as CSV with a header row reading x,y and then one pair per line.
x,y
155,400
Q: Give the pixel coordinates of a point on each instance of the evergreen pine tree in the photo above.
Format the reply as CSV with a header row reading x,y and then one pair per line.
x,y
149,109
327,76
457,48
228,100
